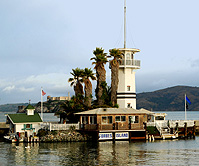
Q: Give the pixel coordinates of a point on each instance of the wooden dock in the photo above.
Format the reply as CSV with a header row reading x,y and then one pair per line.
x,y
170,129
4,128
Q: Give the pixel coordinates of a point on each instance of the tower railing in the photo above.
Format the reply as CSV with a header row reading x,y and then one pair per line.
x,y
130,63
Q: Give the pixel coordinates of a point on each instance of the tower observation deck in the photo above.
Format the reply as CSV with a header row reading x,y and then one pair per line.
x,y
126,92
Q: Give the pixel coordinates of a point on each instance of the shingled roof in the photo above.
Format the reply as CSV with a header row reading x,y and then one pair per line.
x,y
114,111
29,107
24,118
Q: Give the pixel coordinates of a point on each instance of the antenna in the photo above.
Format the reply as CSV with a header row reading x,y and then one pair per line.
x,y
124,23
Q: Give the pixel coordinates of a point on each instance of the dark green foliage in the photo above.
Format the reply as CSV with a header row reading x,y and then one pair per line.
x,y
75,105
42,132
152,130
105,96
54,132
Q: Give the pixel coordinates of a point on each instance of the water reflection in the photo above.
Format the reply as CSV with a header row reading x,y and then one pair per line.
x,y
164,152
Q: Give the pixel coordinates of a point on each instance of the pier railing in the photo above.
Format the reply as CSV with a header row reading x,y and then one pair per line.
x,y
171,123
56,126
74,126
181,123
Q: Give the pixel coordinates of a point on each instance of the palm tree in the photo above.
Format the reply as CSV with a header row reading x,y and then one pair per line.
x,y
117,55
87,74
76,81
100,60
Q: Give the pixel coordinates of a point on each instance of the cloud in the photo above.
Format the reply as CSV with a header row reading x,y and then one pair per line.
x,y
9,88
23,89
195,63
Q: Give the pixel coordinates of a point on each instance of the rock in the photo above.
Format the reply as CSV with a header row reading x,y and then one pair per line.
x,y
64,136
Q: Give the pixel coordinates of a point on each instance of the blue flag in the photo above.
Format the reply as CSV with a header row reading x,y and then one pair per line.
x,y
188,100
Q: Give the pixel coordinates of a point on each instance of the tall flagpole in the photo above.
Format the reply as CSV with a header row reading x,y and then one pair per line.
x,y
41,104
185,106
124,23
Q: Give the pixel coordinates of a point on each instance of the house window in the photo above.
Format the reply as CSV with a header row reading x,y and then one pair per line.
x,y
85,119
93,120
110,119
117,119
123,118
128,105
107,120
159,118
134,119
120,118
104,119
27,126
128,88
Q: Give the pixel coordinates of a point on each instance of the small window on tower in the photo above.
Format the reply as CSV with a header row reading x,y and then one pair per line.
x,y
132,56
128,56
128,105
128,88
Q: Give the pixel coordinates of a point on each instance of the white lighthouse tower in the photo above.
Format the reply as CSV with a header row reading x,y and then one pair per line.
x,y
126,93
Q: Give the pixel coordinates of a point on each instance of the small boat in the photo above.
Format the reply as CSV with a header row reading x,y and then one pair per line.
x,y
12,138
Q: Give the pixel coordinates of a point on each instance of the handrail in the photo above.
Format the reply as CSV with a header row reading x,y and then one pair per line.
x,y
130,62
159,128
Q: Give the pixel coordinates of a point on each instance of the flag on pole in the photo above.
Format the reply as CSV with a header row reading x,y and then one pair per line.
x,y
188,100
43,93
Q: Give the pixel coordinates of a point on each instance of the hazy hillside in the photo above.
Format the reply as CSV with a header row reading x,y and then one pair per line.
x,y
170,99
11,107
48,106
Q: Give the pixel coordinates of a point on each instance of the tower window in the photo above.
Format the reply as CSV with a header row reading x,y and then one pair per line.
x,y
132,56
128,88
128,56
128,105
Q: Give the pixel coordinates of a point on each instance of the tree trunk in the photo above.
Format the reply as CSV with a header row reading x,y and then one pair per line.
x,y
78,88
101,77
114,80
88,92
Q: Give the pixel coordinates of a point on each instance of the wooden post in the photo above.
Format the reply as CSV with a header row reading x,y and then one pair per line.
x,y
114,126
176,127
113,137
145,127
194,129
185,129
129,136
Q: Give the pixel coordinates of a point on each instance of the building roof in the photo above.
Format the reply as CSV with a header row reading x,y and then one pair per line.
x,y
24,118
103,111
29,107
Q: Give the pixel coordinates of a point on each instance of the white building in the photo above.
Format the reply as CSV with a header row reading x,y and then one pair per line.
x,y
126,93
25,124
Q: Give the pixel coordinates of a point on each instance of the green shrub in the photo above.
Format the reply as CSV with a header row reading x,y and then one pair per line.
x,y
42,132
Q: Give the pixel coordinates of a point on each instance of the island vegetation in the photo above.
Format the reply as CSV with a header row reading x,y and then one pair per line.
x,y
81,82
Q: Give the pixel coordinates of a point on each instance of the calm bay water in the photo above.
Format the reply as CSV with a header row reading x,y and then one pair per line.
x,y
159,152
163,152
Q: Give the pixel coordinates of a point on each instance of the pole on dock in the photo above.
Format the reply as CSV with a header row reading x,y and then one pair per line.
x,y
185,129
42,94
41,104
185,107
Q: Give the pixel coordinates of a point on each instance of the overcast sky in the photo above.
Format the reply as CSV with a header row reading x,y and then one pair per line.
x,y
41,41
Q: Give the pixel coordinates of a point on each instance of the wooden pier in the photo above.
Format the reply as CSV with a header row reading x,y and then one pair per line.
x,y
171,129
4,128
